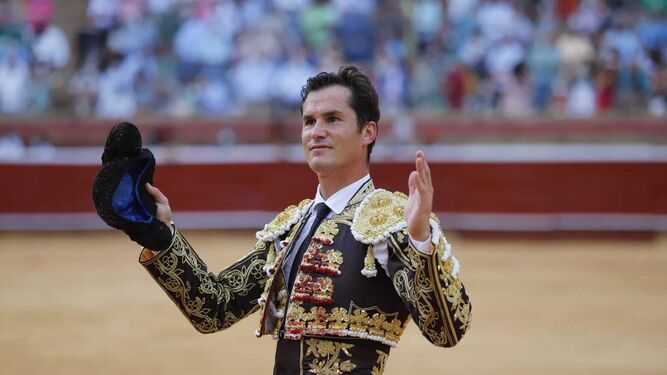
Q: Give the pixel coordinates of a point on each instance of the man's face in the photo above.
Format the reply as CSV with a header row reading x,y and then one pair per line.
x,y
331,139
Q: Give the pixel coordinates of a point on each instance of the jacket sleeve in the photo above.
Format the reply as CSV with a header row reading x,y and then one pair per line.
x,y
429,286
210,302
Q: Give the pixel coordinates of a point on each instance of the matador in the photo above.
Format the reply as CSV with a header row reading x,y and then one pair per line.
x,y
336,278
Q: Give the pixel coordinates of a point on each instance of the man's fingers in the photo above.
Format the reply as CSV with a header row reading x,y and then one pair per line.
x,y
421,167
156,194
427,173
413,181
416,179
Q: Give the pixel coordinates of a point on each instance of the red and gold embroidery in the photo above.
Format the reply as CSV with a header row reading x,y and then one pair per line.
x,y
325,262
318,290
381,327
326,232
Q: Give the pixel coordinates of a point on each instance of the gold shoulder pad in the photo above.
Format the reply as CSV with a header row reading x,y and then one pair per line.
x,y
378,216
283,222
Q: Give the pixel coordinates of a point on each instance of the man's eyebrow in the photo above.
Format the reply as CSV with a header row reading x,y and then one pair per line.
x,y
334,112
325,114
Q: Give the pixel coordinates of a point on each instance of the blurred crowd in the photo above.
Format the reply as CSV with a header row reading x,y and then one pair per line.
x,y
221,58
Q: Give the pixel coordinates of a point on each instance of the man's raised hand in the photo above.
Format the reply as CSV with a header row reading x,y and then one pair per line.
x,y
420,200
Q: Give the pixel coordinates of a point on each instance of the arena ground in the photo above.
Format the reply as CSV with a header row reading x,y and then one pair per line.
x,y
79,303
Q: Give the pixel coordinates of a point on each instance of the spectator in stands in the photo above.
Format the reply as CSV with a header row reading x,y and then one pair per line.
x,y
606,77
83,88
212,95
392,83
576,51
317,24
589,17
50,53
160,7
330,58
455,86
544,65
251,81
425,86
288,74
581,101
50,47
15,87
461,17
497,20
202,41
427,21
366,7
291,6
516,93
116,98
11,146
136,31
356,32
92,38
14,36
503,57
621,47
190,57
658,102
622,39
40,149
652,31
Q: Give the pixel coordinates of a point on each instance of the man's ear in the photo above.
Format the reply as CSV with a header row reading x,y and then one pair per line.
x,y
369,132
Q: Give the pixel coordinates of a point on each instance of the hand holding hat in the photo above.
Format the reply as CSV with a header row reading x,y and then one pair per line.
x,y
119,189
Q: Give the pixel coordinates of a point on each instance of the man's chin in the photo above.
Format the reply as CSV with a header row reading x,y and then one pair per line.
x,y
318,164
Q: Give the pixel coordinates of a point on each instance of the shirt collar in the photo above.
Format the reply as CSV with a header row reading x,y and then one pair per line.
x,y
338,201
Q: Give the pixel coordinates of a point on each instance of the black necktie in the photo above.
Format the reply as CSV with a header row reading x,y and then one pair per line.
x,y
294,258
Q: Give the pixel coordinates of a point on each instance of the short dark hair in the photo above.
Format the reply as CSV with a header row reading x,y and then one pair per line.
x,y
363,97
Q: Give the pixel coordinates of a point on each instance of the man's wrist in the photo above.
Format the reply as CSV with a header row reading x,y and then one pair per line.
x,y
425,247
147,254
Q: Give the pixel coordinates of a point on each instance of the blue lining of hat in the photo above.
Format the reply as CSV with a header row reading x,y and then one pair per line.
x,y
126,200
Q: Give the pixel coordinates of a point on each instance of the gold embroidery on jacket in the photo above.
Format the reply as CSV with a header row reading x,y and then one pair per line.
x,y
318,290
328,355
236,281
427,284
283,222
326,231
315,260
453,289
380,214
369,323
378,369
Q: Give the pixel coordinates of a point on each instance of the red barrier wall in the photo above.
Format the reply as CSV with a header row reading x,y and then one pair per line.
x,y
582,187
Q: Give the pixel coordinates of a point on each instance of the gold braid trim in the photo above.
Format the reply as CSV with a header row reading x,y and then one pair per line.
x,y
437,300
211,302
283,222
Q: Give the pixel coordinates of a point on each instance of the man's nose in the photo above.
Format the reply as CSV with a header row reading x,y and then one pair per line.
x,y
318,130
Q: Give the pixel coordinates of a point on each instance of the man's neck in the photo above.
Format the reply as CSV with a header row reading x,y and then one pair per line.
x,y
330,184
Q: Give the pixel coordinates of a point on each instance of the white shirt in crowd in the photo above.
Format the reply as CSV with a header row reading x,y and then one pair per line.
x,y
52,48
15,87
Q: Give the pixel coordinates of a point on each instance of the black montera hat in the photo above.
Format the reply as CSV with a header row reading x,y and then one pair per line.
x,y
119,192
